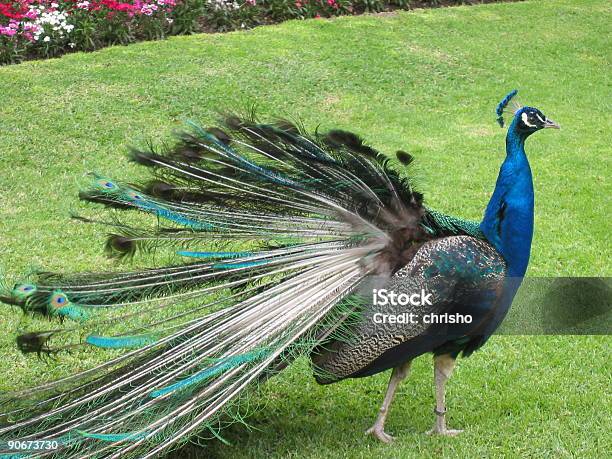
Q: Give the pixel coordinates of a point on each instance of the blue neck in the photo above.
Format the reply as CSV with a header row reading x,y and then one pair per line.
x,y
508,219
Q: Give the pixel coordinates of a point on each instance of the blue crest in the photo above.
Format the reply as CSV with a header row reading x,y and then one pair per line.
x,y
502,105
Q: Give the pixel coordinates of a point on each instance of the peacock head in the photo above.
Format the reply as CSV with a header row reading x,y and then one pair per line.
x,y
527,120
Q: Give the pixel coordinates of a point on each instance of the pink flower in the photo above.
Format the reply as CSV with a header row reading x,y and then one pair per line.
x,y
252,2
148,10
7,31
29,27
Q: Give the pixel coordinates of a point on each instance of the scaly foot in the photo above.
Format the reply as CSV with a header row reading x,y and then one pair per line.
x,y
446,432
378,432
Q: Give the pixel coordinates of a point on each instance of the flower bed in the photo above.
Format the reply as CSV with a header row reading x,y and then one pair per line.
x,y
43,28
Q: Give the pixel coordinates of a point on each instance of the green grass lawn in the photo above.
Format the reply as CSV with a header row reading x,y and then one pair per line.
x,y
424,81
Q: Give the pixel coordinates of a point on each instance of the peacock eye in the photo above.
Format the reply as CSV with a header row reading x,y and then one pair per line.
x,y
528,120
107,184
59,300
135,196
24,289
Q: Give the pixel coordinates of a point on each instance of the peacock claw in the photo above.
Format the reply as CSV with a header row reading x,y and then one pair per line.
x,y
445,432
379,433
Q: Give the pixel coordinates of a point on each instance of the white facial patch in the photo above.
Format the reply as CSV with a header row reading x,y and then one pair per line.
x,y
540,118
525,119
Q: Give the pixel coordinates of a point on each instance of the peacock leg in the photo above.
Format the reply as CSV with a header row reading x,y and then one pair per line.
x,y
378,429
443,368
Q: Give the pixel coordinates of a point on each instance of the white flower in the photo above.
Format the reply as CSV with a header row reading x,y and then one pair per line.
x,y
72,45
224,4
47,38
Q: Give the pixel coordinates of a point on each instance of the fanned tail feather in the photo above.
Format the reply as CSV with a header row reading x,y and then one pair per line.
x,y
277,229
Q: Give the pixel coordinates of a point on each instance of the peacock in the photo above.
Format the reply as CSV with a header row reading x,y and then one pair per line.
x,y
279,244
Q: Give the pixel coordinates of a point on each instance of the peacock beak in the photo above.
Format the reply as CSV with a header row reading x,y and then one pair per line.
x,y
551,124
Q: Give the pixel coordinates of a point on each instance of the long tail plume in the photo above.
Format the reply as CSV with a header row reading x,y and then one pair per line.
x,y
276,229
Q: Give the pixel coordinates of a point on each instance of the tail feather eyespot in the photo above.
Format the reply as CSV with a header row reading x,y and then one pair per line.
x,y
58,300
106,185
